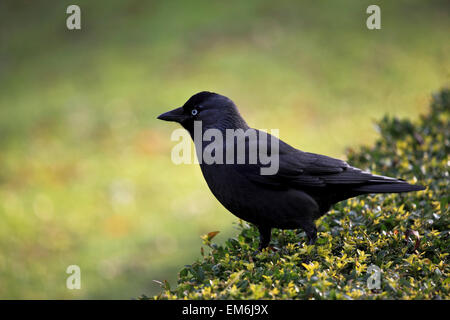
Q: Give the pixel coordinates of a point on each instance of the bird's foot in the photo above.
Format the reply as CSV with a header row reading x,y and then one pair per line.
x,y
268,248
310,242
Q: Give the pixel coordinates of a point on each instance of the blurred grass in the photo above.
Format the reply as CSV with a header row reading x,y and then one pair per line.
x,y
86,176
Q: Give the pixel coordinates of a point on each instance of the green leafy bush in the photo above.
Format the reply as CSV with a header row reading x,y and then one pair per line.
x,y
405,235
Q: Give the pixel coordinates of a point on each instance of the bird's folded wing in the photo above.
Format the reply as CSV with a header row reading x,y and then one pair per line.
x,y
302,169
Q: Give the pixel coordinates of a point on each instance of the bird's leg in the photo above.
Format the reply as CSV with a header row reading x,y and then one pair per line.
x,y
264,236
311,233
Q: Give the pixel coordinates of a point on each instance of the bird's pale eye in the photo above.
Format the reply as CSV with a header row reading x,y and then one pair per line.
x,y
194,112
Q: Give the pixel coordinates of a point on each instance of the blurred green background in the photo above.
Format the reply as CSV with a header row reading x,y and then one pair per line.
x,y
85,170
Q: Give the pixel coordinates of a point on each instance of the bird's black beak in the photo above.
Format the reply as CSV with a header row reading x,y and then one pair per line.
x,y
176,115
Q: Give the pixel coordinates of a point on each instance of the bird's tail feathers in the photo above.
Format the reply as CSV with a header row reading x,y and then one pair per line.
x,y
389,187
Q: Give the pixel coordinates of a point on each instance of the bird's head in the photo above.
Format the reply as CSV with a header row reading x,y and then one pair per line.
x,y
212,109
